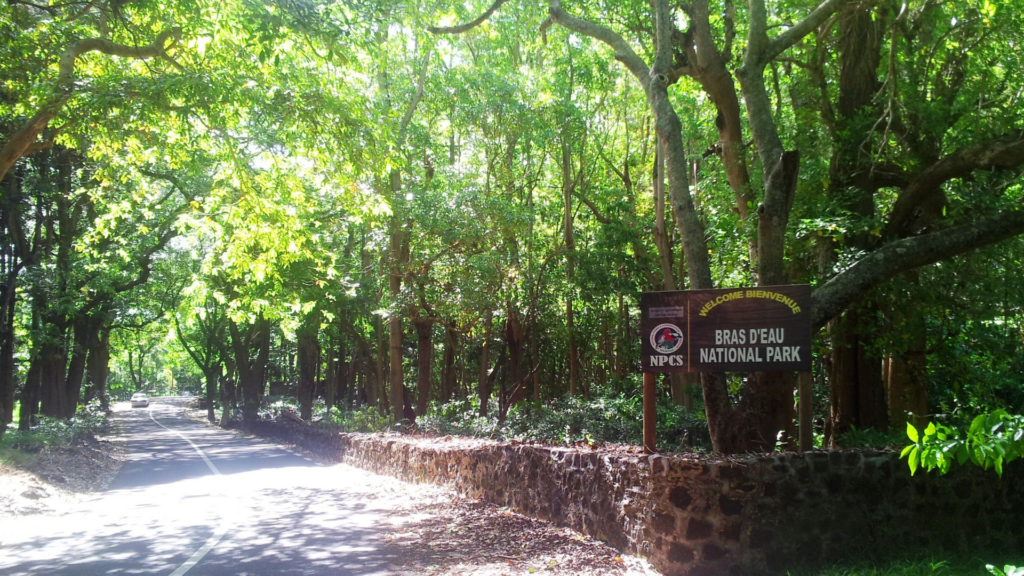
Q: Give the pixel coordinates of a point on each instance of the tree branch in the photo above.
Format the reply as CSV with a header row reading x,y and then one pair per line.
x,y
761,51
468,25
1003,153
146,262
24,140
907,254
417,96
664,27
593,208
76,49
783,41
181,339
623,52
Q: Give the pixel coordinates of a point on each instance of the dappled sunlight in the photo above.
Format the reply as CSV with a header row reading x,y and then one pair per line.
x,y
267,510
279,509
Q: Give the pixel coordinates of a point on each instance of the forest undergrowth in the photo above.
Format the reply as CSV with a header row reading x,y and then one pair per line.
x,y
918,566
567,421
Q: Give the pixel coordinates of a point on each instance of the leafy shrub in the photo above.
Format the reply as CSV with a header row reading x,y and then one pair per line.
x,y
1006,571
362,419
272,406
569,420
56,432
868,438
991,440
915,566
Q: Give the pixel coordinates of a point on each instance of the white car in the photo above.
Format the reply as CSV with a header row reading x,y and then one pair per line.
x,y
139,400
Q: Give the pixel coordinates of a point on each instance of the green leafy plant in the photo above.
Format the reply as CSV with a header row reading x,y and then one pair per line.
x,y
18,447
991,441
570,420
1006,571
362,419
868,438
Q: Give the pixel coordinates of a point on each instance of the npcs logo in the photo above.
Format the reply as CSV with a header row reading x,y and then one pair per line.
x,y
660,361
666,338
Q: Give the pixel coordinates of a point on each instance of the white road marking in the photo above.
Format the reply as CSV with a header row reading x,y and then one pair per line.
x,y
221,529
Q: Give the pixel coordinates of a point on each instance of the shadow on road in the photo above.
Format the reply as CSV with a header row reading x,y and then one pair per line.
x,y
283,514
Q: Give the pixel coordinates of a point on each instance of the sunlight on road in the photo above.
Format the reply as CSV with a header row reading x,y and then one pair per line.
x,y
276,506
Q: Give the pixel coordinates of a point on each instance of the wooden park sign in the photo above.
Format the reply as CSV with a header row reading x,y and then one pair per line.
x,y
733,330
766,329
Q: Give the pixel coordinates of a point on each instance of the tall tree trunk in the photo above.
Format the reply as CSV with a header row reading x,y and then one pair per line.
x,y
484,388
30,396
86,329
907,378
662,240
228,392
856,388
340,384
379,397
857,393
425,359
251,369
515,338
448,375
535,359
309,358
52,364
347,390
97,366
212,375
396,384
570,263
7,365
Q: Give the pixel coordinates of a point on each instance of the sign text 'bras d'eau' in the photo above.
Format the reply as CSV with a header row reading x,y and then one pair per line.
x,y
733,330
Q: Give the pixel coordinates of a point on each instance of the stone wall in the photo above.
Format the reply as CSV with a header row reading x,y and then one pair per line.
x,y
698,516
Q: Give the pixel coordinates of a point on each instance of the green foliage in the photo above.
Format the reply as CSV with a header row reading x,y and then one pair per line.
x,y
350,419
991,441
1007,570
17,447
869,438
362,419
569,420
285,161
907,567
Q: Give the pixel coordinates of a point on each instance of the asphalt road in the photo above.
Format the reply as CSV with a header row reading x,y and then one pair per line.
x,y
203,502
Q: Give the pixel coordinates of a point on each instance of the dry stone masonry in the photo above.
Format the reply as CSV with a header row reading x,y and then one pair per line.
x,y
693,515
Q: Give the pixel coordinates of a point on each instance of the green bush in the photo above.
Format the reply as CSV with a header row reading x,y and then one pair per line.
x,y
991,441
362,419
53,432
869,438
912,567
569,420
1006,571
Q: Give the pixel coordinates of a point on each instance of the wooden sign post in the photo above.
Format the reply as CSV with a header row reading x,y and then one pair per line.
x,y
805,396
764,329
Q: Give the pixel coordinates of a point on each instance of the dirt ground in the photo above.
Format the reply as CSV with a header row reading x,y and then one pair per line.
x,y
454,537
56,478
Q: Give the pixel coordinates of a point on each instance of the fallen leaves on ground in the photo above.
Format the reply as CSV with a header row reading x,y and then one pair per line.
x,y
456,536
55,479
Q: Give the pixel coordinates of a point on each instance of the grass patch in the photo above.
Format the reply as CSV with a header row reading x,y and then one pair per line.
x,y
15,458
